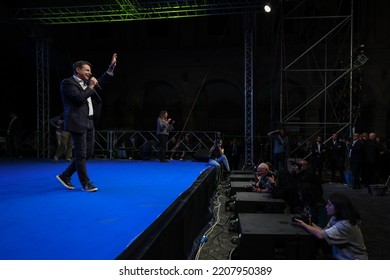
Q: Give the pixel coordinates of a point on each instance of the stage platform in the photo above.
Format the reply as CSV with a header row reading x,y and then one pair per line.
x,y
143,210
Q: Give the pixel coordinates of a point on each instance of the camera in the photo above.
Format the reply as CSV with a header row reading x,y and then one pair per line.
x,y
304,218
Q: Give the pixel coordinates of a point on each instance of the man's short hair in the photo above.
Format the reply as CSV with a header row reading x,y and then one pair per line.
x,y
80,64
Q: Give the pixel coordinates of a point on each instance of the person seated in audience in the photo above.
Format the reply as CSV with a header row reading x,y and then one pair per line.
x,y
218,157
312,208
173,146
312,205
303,173
290,181
185,148
343,231
266,180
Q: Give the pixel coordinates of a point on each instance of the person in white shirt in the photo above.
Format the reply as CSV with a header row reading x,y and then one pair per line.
x,y
343,231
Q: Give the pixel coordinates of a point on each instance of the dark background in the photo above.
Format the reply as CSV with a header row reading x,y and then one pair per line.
x,y
180,54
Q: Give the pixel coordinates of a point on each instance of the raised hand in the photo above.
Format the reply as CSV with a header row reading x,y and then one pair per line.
x,y
113,61
111,68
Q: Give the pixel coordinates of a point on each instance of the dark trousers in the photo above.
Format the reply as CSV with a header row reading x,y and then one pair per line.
x,y
369,174
163,139
336,164
279,163
356,168
317,163
83,149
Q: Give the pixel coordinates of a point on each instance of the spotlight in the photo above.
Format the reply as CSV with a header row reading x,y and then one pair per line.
x,y
267,8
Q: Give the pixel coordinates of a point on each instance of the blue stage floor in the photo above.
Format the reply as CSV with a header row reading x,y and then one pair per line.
x,y
42,220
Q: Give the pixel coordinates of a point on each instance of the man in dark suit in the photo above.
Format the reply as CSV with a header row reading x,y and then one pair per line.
x,y
356,159
336,157
318,156
82,106
372,151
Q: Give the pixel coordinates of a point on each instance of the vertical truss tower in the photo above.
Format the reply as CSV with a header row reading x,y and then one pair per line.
x,y
130,10
249,23
42,64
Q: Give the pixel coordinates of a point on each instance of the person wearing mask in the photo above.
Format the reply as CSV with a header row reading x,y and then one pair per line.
x,y
82,106
343,231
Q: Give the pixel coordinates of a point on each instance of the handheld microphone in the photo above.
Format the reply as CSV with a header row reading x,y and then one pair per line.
x,y
96,85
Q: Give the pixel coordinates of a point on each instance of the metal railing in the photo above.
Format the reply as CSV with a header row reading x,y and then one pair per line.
x,y
138,143
145,143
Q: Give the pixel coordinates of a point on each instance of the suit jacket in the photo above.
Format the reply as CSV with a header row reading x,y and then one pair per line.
x,y
335,149
356,152
75,102
319,154
371,152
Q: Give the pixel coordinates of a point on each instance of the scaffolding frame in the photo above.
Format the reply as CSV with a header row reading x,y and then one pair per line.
x,y
134,10
289,116
164,9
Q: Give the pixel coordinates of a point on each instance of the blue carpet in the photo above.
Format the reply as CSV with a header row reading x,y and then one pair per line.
x,y
42,220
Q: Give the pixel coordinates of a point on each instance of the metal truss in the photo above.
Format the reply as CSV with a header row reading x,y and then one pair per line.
x,y
42,64
127,10
108,142
130,10
331,96
249,31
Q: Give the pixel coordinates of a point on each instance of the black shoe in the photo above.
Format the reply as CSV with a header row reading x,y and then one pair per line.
x,y
65,181
89,188
164,160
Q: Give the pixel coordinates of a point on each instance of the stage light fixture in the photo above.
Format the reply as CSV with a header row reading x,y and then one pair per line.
x,y
267,8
